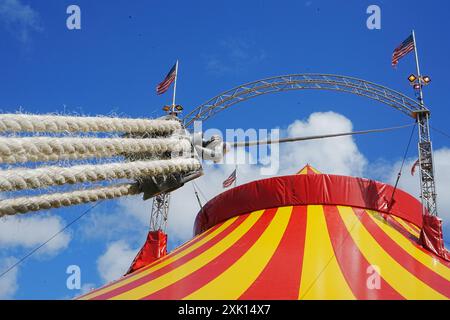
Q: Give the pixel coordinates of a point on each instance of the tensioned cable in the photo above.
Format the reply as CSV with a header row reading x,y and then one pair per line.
x,y
198,198
441,132
294,139
200,191
49,239
403,163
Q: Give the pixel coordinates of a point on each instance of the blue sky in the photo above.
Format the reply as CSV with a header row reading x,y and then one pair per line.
x,y
125,48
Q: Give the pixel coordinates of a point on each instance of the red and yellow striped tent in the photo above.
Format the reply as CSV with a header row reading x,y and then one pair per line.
x,y
305,236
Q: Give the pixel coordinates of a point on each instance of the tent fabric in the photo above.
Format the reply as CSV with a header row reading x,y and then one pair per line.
x,y
154,248
308,170
294,252
305,236
431,236
305,189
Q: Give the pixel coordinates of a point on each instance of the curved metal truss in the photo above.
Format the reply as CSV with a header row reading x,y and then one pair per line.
x,y
352,85
359,87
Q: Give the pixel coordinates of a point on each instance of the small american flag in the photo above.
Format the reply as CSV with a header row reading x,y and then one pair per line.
x,y
229,181
165,84
402,50
413,168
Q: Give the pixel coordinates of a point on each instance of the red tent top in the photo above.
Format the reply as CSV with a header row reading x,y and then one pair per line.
x,y
308,187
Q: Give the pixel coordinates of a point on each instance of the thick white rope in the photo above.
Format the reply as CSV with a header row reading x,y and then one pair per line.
x,y
19,179
14,150
56,200
54,123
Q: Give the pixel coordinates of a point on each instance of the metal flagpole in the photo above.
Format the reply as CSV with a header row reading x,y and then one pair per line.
x,y
161,202
418,69
175,87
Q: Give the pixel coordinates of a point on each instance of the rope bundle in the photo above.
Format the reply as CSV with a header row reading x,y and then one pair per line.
x,y
151,154
54,123
15,150
20,179
57,200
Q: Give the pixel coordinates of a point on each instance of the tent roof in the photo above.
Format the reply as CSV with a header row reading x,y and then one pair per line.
x,y
309,236
308,170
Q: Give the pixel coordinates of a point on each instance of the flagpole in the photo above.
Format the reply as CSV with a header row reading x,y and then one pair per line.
x,y
175,87
235,179
418,69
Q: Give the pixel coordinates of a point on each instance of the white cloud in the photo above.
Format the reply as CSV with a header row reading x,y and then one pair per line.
x,y
334,155
8,282
109,225
116,260
137,208
31,231
19,19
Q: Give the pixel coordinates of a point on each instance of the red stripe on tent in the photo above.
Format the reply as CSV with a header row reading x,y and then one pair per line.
x,y
309,170
280,279
189,244
353,264
220,264
406,260
173,265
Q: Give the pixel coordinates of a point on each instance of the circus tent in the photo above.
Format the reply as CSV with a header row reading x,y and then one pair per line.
x,y
304,236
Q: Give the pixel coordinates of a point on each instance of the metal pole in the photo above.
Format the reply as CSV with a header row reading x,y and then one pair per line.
x,y
175,87
427,181
161,202
418,69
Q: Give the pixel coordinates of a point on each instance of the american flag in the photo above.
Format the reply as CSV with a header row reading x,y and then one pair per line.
x,y
402,50
229,181
413,168
165,84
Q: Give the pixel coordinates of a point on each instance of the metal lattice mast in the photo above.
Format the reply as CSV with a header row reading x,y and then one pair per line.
x,y
160,212
427,182
160,206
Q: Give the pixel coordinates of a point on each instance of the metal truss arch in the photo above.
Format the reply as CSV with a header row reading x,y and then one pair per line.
x,y
291,82
410,107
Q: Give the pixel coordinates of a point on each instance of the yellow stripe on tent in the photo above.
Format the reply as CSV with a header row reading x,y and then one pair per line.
x,y
395,274
427,260
235,280
322,277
